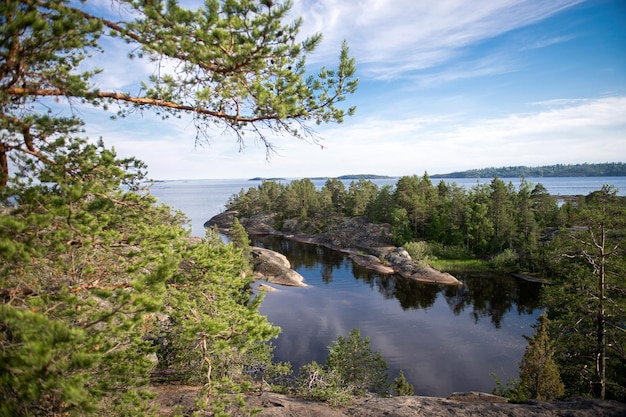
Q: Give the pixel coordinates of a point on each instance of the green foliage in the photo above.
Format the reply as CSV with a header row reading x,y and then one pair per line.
x,y
539,375
606,169
319,383
401,386
96,278
84,263
504,261
212,329
239,65
485,221
587,303
56,376
420,251
449,251
464,265
510,390
239,237
357,367
360,196
400,226
351,369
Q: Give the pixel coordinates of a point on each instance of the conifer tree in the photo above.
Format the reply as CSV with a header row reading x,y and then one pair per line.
x,y
239,237
83,264
401,386
96,278
539,374
357,366
94,275
237,65
587,304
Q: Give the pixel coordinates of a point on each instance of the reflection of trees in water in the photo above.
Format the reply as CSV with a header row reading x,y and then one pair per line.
x,y
488,295
493,295
302,255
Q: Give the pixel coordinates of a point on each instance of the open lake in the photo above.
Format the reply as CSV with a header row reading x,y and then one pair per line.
x,y
446,339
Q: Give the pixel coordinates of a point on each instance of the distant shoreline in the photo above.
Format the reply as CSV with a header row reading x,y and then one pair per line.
x,y
341,177
608,169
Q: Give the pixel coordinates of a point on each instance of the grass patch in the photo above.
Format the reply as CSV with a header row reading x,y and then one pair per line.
x,y
447,265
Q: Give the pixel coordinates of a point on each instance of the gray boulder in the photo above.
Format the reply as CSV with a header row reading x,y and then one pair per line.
x,y
275,268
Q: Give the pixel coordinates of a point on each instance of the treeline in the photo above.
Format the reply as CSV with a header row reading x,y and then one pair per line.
x,y
608,169
483,220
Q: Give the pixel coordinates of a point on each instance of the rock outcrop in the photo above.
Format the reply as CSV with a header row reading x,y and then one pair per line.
x,y
275,268
223,221
368,244
458,405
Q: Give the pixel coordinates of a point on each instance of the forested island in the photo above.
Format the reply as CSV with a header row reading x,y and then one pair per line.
x,y
608,169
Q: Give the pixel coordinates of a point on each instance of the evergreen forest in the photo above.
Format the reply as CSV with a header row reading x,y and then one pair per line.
x,y
607,169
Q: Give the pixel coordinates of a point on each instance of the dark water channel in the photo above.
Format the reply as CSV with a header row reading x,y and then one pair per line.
x,y
445,339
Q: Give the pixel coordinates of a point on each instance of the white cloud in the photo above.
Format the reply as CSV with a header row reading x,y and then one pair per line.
x,y
389,38
412,134
561,131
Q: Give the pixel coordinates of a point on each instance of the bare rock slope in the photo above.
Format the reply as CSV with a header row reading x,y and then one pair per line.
x,y
181,398
368,244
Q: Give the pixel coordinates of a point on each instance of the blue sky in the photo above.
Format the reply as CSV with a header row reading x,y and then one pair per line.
x,y
444,86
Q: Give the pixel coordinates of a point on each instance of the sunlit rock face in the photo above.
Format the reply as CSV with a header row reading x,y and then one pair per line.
x,y
369,244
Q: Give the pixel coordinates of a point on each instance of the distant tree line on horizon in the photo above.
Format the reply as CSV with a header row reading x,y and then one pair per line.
x,y
608,169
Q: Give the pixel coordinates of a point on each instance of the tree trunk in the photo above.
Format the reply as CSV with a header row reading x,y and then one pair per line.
x,y
601,330
4,166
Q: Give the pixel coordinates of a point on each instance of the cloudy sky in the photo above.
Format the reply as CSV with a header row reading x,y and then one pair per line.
x,y
444,86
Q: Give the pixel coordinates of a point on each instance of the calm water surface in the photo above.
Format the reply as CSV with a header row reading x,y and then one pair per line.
x,y
445,339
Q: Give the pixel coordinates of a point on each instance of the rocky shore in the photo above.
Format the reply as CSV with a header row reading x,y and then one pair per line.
x,y
368,244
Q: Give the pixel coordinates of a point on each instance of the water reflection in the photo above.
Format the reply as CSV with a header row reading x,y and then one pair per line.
x,y
487,295
445,339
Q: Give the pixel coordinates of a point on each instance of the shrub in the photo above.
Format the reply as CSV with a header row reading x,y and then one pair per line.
x,y
401,386
351,369
420,251
358,368
505,260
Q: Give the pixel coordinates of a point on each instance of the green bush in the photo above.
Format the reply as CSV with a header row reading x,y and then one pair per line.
x,y
358,368
401,386
351,369
504,261
420,251
319,383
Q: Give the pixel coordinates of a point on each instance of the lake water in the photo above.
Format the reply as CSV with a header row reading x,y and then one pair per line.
x,y
444,339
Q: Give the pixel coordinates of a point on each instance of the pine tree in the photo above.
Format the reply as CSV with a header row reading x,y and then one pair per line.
x,y
587,303
83,264
95,276
238,66
94,273
401,386
239,237
539,374
357,366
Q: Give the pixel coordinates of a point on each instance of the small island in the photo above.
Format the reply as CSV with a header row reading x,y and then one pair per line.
x,y
356,177
267,179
